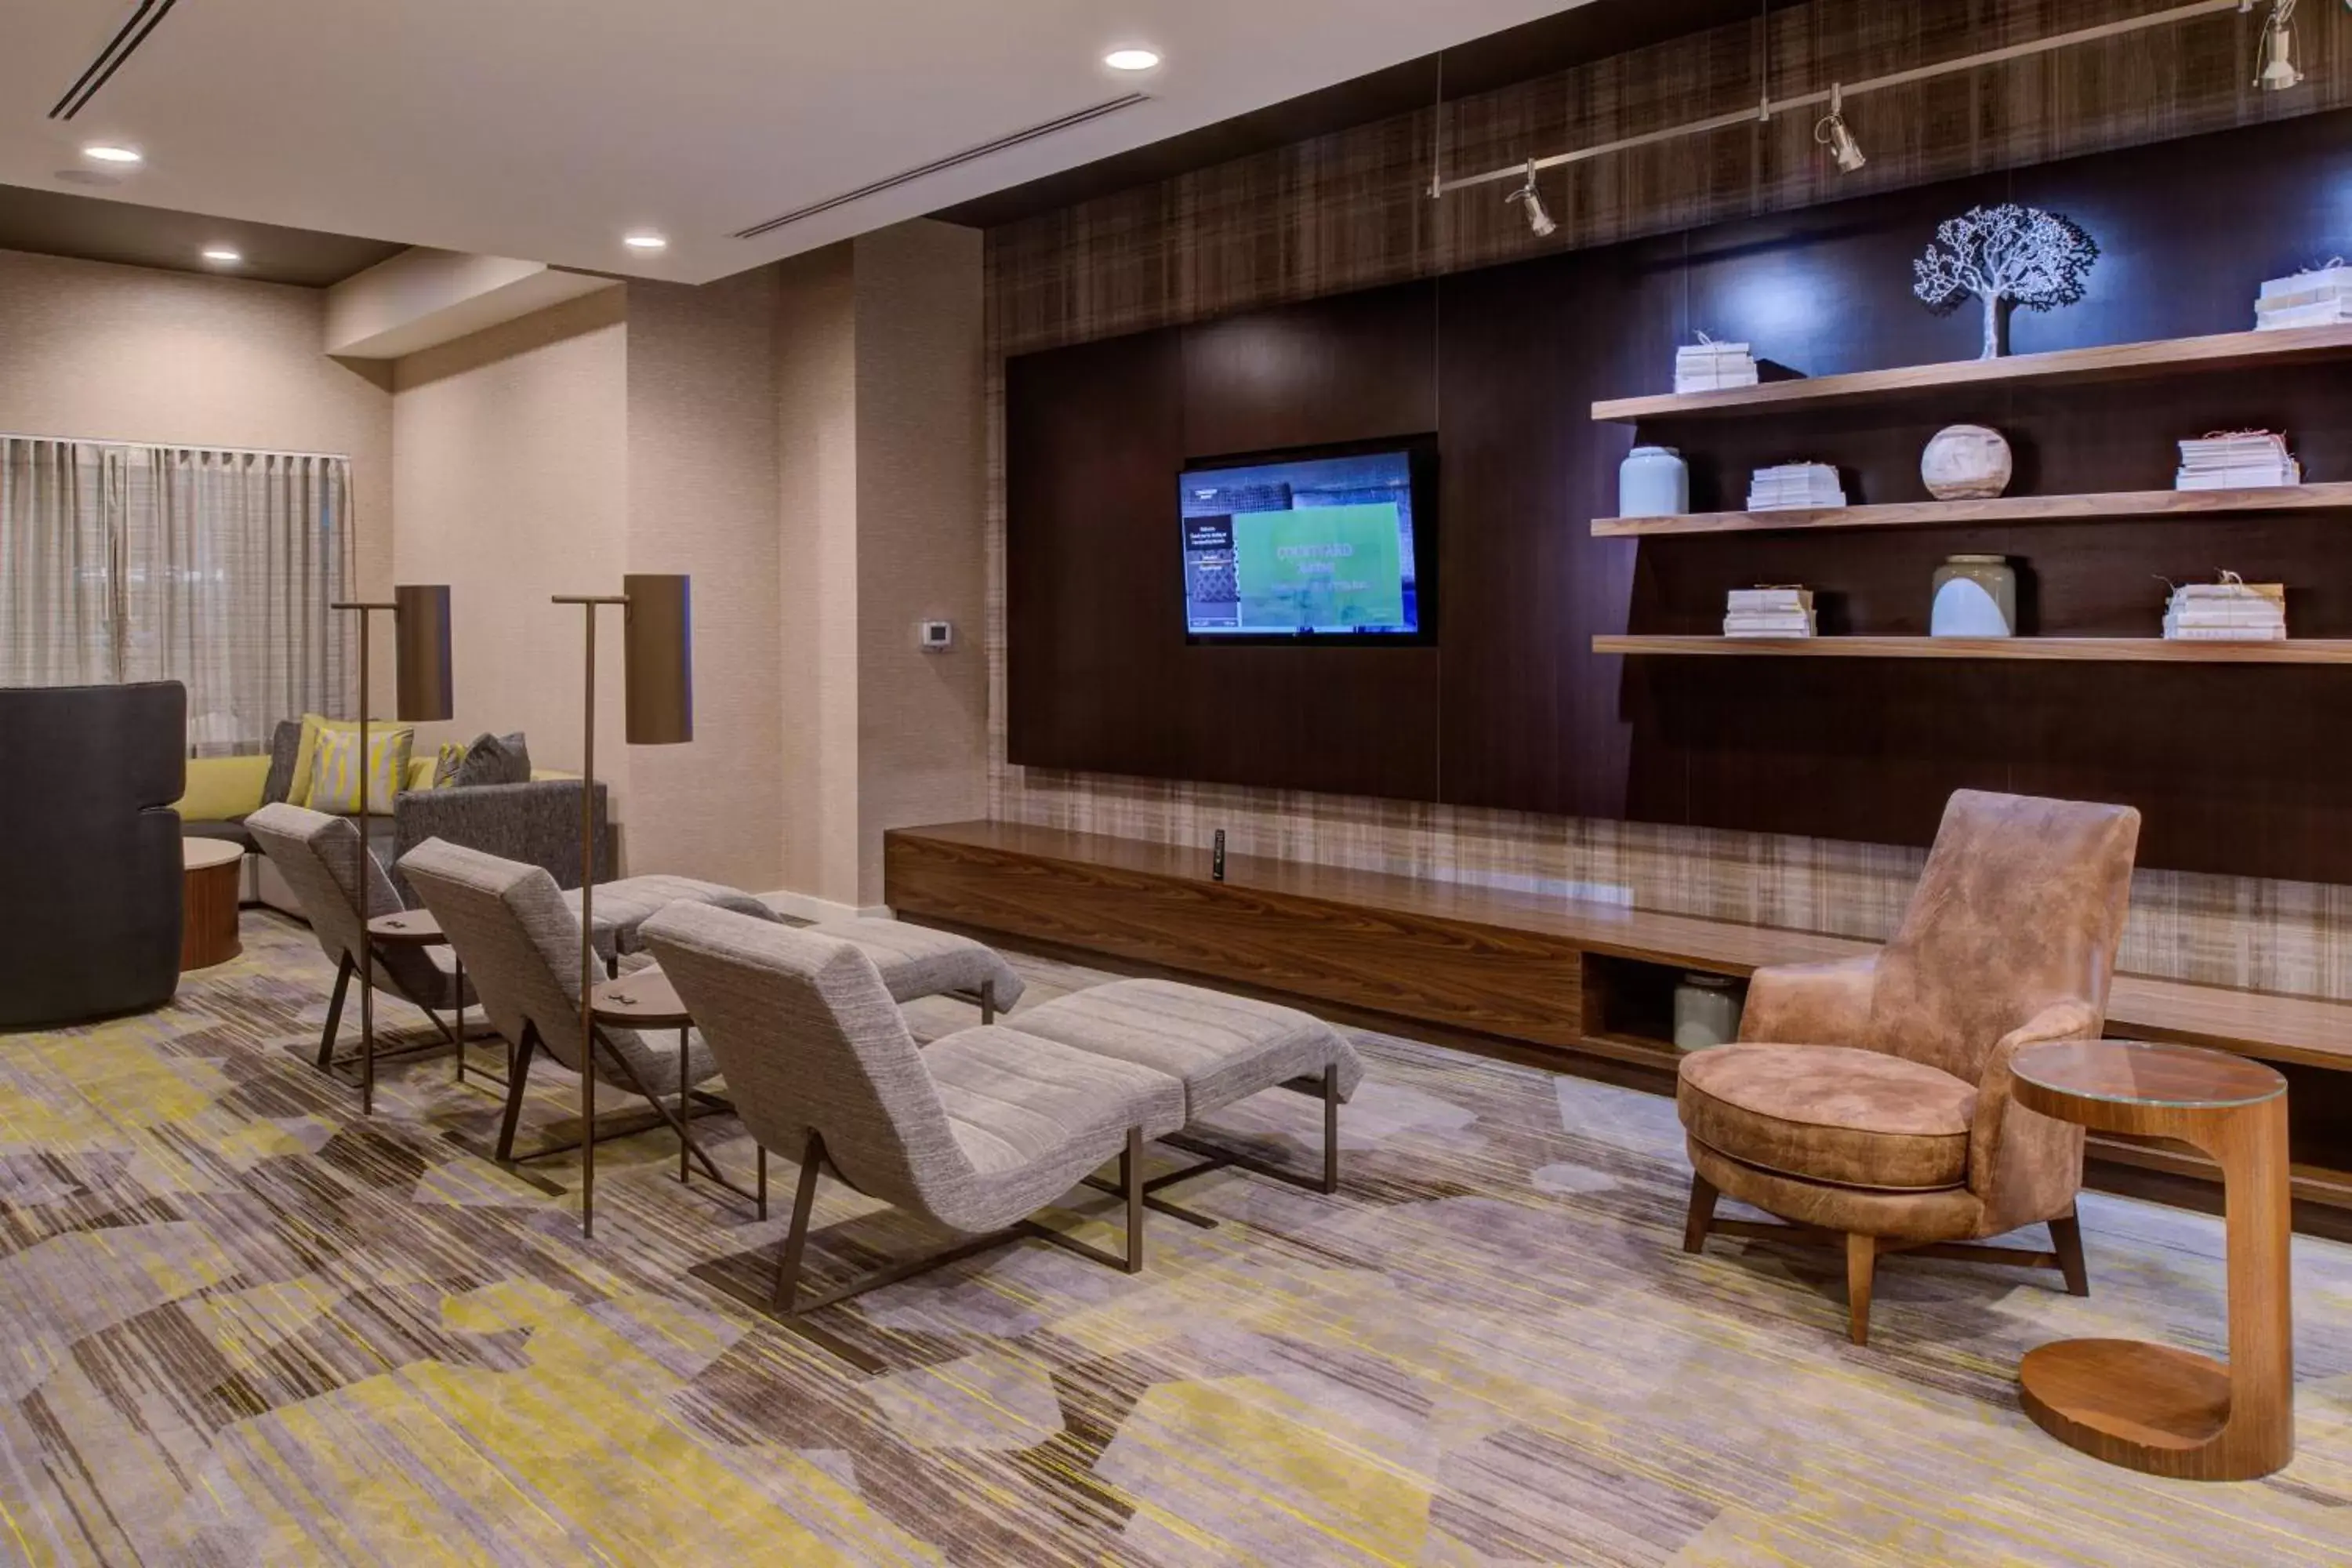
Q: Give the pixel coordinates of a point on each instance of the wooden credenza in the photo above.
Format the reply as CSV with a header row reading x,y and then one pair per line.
x,y
1568,983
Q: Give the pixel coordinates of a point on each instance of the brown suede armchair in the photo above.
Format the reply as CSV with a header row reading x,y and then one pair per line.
x,y
1868,1099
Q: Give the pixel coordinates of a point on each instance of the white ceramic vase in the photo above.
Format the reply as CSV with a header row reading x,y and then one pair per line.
x,y
1966,462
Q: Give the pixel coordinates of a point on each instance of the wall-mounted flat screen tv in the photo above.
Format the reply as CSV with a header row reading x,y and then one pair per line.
x,y
1322,544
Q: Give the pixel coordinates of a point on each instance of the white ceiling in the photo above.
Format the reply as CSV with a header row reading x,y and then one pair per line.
x,y
545,128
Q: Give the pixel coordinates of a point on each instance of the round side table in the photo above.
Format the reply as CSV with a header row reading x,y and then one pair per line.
x,y
211,870
647,1000
2151,1407
417,928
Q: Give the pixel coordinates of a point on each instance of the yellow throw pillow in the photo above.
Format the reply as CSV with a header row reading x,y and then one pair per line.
x,y
446,763
221,789
335,773
306,752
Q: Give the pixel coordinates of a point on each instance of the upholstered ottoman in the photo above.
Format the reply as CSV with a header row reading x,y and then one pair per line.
x,y
622,907
1222,1048
917,962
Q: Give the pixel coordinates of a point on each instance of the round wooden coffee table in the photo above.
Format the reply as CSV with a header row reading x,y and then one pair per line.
x,y
211,877
2151,1407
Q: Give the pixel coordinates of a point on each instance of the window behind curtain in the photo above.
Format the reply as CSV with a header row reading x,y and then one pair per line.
x,y
211,568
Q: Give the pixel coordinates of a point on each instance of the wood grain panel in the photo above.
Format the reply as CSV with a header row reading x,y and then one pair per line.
x,y
1101,676
1517,983
941,873
1516,708
1354,367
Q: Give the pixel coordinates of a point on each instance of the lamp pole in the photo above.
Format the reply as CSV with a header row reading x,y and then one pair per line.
x,y
420,673
658,637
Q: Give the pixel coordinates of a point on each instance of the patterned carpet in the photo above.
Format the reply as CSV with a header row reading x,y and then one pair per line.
x,y
245,1327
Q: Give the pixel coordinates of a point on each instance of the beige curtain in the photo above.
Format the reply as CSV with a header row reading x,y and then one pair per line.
x,y
211,568
57,564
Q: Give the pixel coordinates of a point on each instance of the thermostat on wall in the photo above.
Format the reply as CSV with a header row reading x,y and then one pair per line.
x,y
937,636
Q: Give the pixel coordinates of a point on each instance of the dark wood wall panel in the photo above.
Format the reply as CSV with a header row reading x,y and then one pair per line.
x,y
1103,678
2238,770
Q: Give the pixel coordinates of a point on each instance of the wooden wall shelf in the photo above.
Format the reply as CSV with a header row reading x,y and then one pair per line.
x,y
2106,651
2113,361
2141,504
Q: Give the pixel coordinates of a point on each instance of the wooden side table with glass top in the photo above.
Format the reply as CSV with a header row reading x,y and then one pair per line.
x,y
2151,1407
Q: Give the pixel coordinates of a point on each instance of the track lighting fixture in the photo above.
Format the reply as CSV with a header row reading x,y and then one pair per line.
x,y
1833,132
1538,219
2279,70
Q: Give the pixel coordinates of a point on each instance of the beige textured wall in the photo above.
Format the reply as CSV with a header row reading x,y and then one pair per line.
x,y
99,352
702,500
818,571
921,532
511,485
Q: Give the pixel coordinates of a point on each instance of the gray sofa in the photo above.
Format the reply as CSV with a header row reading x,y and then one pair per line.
x,y
536,823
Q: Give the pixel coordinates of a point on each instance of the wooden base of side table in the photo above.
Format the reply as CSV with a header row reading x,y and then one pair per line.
x,y
212,878
2144,1406
2149,1407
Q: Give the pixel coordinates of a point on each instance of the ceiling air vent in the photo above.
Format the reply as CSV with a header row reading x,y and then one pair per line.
x,y
1050,127
118,49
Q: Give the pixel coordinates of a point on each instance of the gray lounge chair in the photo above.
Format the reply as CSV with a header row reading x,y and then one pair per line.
x,y
521,942
320,857
975,1131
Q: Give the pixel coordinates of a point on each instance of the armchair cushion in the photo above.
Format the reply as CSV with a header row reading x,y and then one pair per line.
x,y
1831,1114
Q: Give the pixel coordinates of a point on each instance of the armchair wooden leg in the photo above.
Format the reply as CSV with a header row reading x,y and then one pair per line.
x,y
2066,1241
1702,1212
1860,1270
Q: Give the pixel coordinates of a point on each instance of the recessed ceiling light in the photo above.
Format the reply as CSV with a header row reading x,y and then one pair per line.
x,y
106,153
222,253
1131,59
645,242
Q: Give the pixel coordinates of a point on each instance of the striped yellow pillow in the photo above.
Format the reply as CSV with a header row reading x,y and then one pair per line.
x,y
335,773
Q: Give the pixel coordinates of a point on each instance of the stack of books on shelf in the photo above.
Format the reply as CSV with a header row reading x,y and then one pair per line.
x,y
2236,459
1794,486
1768,613
2231,610
1708,366
2319,298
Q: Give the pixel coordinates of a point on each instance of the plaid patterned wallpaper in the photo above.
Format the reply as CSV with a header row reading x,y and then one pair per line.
x,y
1349,211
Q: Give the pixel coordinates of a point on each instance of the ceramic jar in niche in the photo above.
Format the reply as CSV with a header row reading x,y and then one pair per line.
x,y
1706,1011
1653,481
1966,462
1976,597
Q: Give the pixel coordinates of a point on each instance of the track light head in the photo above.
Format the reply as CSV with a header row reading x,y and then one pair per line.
x,y
1539,220
2279,70
1833,132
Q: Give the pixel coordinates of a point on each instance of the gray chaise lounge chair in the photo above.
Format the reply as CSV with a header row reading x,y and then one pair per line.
x,y
977,1130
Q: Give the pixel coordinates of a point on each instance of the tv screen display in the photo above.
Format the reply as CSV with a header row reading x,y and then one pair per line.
x,y
1306,545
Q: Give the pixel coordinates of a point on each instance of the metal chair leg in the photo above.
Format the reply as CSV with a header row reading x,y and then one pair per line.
x,y
517,1076
334,1013
1131,1180
1331,1128
788,1269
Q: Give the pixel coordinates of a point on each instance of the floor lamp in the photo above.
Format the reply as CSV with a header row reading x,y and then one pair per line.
x,y
657,649
424,695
